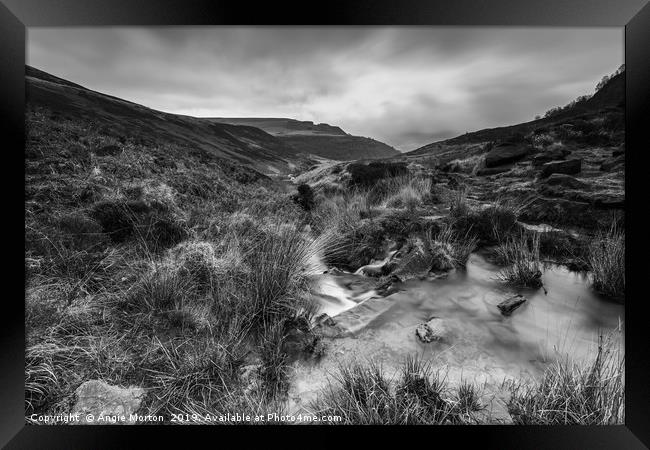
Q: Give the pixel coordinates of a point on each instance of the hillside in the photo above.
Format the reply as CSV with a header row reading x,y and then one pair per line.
x,y
321,139
122,119
610,98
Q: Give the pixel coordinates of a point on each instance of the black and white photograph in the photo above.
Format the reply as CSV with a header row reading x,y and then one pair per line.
x,y
336,225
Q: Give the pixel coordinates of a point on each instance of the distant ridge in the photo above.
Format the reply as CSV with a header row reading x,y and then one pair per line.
x,y
306,137
283,126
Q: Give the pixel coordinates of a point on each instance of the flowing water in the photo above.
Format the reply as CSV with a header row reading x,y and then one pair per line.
x,y
480,345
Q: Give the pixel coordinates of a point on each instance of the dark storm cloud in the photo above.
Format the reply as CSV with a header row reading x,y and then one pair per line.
x,y
407,86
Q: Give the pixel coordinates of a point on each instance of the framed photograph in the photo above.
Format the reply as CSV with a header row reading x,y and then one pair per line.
x,y
413,217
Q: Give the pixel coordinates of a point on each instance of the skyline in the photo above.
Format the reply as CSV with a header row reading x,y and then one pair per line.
x,y
406,86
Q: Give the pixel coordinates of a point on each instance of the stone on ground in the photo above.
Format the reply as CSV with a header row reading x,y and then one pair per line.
x,y
433,330
569,167
99,398
506,153
554,154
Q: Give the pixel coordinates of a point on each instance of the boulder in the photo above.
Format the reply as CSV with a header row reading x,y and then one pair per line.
x,y
506,153
569,167
433,330
487,171
553,154
612,163
510,304
98,398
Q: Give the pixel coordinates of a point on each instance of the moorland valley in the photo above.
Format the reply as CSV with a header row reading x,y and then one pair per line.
x,y
183,265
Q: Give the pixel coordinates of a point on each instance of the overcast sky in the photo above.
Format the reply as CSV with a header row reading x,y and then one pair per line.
x,y
406,86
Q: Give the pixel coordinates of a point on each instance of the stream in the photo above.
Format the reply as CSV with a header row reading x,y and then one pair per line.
x,y
480,346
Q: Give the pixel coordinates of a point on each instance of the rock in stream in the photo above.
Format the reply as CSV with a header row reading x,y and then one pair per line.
x,y
510,304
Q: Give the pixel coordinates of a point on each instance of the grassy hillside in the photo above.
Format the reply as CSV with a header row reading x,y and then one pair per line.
x,y
608,102
126,120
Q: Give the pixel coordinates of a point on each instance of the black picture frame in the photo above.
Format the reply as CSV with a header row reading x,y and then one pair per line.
x,y
634,15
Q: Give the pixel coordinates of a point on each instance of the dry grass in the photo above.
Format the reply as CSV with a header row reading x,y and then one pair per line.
x,y
592,393
606,259
406,192
164,276
417,395
460,246
521,257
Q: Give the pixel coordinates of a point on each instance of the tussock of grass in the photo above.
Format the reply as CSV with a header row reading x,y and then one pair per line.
x,y
521,257
352,218
161,290
460,247
364,394
276,279
406,192
592,393
492,224
274,361
606,256
458,207
468,398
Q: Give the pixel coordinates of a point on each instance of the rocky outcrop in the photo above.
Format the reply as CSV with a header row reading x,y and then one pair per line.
x,y
506,153
510,304
96,398
433,330
569,167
